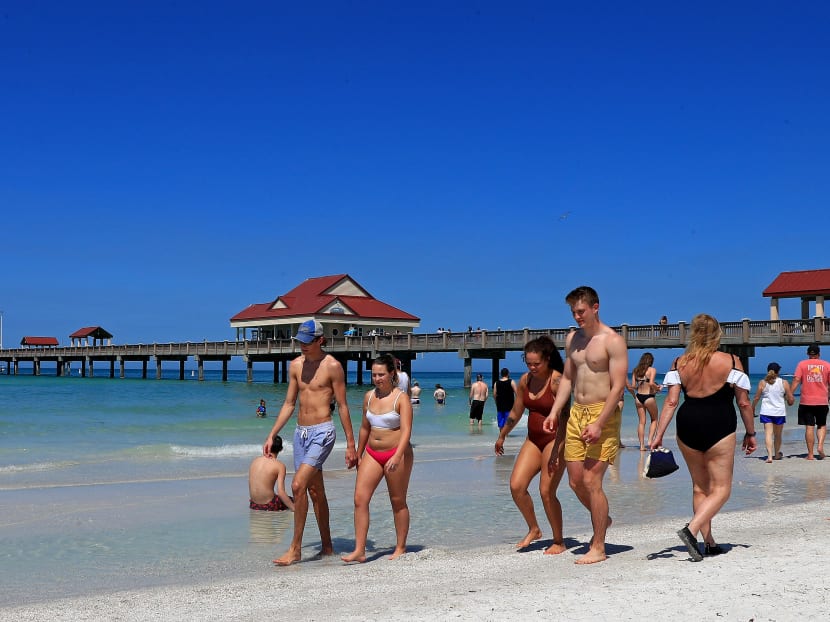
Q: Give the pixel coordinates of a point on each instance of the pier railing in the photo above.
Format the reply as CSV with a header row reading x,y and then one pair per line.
x,y
483,343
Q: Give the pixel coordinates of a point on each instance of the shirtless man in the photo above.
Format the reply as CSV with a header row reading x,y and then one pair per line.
x,y
266,473
595,371
439,394
478,396
317,379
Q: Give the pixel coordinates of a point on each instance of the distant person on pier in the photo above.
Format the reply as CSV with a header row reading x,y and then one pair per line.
x,y
664,321
537,392
644,389
316,379
265,473
596,366
477,399
772,392
260,411
439,394
504,394
813,375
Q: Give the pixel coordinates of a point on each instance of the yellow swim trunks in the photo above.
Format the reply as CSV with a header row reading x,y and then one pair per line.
x,y
605,449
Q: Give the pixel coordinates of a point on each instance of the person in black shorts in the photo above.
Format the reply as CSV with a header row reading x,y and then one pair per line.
x,y
478,396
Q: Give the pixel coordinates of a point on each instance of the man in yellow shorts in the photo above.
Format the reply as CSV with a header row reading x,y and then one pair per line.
x,y
595,372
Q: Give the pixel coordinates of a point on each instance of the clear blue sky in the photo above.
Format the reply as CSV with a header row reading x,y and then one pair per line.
x,y
165,164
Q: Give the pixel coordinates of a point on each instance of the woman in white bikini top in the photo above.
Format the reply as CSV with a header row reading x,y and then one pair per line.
x,y
384,452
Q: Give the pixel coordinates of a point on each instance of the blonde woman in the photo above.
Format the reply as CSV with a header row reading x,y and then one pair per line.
x,y
712,382
643,388
383,451
772,393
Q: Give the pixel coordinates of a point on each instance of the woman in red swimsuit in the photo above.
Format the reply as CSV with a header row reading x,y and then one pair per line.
x,y
537,392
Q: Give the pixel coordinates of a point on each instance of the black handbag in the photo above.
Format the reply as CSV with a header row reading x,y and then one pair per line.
x,y
659,463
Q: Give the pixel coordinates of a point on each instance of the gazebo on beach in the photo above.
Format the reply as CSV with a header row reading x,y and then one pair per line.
x,y
98,335
809,285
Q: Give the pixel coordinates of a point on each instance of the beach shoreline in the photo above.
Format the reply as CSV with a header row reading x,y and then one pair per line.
x,y
647,574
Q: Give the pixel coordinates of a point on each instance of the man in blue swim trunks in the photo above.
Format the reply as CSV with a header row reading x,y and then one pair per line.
x,y
317,379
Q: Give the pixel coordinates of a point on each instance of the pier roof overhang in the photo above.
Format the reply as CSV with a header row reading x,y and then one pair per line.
x,y
94,332
808,285
336,298
39,341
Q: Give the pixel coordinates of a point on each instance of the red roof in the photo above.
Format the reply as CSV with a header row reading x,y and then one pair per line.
x,y
91,331
39,341
313,296
799,284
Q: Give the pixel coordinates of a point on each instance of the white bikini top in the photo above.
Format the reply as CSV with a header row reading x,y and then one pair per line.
x,y
386,421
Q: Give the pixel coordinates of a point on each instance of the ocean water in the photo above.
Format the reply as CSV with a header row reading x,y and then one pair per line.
x,y
108,484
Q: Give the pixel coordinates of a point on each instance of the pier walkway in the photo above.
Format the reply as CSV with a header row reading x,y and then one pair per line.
x,y
740,338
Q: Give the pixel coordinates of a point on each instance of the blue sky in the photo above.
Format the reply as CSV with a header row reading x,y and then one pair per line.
x,y
163,165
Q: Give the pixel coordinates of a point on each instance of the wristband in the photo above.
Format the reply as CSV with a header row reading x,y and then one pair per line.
x,y
753,434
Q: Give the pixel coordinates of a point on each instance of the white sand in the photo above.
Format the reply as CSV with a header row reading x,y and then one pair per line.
x,y
775,569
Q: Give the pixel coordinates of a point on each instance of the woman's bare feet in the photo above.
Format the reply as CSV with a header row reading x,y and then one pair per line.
x,y
555,549
532,535
354,556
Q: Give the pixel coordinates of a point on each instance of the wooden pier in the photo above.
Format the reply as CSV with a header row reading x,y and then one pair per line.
x,y
740,338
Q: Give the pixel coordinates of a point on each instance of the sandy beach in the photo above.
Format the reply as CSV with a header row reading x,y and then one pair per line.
x,y
648,576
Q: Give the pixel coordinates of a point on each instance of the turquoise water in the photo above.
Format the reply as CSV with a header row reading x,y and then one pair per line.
x,y
116,483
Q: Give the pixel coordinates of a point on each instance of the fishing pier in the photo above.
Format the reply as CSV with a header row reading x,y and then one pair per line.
x,y
740,338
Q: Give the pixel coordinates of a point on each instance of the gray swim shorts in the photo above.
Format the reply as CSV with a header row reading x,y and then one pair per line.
x,y
313,444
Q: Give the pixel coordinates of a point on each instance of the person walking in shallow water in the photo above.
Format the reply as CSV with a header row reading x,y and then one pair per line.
x,y
504,394
384,452
711,382
478,397
317,379
439,394
643,388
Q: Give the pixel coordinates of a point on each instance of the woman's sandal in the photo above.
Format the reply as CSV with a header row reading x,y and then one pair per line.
x,y
691,543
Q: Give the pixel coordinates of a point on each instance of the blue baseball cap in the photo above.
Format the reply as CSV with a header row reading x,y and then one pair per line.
x,y
309,331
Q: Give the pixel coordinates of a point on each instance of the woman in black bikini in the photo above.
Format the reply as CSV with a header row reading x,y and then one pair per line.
x,y
537,392
712,382
643,388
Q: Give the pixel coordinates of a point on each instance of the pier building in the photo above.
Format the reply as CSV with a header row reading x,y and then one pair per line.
x,y
343,306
